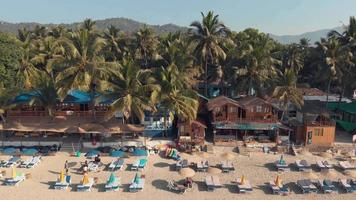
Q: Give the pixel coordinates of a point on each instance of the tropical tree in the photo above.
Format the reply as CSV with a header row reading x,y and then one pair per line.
x,y
145,47
208,35
131,90
112,49
286,90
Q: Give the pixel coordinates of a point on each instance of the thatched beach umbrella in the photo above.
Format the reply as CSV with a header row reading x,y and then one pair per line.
x,y
187,172
213,170
228,156
75,129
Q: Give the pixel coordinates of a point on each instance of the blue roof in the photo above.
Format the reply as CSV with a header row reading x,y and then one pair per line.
x,y
77,96
23,98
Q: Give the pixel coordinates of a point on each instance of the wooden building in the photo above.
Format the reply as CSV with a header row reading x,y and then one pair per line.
x,y
191,134
248,118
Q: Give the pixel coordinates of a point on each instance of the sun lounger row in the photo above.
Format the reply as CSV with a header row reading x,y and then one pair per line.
x,y
13,160
30,162
139,164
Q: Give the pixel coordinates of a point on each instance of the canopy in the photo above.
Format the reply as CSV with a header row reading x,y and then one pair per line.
x,y
9,150
117,153
140,152
92,153
346,107
30,151
347,126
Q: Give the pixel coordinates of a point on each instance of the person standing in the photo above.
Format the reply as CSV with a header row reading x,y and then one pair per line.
x,y
66,167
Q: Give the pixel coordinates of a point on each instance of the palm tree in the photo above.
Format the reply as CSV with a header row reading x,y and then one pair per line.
x,y
292,57
286,90
112,37
88,25
83,64
208,35
145,44
131,90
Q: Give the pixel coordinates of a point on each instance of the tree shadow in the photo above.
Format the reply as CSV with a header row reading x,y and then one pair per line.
x,y
271,166
231,187
160,184
54,172
128,167
126,187
172,167
201,186
100,187
161,165
265,188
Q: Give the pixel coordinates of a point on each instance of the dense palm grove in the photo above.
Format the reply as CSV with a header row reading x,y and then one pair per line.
x,y
145,72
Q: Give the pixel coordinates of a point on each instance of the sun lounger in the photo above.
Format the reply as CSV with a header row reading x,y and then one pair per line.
x,y
245,187
181,189
303,165
346,185
306,186
12,161
345,165
112,186
63,185
324,165
227,166
86,187
281,166
25,163
93,166
202,166
278,190
15,181
212,182
352,183
34,162
181,164
116,164
137,184
139,164
326,186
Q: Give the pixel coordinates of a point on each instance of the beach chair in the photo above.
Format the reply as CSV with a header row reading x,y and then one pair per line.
x,y
93,166
326,186
352,183
278,190
212,183
15,181
63,185
139,164
173,186
281,166
34,162
116,164
113,183
346,185
303,165
227,166
25,163
244,186
12,161
345,165
324,165
202,166
85,187
306,186
137,183
181,164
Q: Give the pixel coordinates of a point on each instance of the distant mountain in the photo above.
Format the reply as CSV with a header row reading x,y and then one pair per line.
x,y
312,36
124,24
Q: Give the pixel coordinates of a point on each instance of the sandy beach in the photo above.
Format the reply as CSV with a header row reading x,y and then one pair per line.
x,y
159,170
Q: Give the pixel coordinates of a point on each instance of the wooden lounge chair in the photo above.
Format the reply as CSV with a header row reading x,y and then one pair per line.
x,y
245,187
139,164
34,162
278,190
63,185
86,187
202,166
137,184
116,164
12,161
303,165
173,186
326,186
306,186
346,185
227,166
212,183
15,181
25,163
345,165
281,166
112,186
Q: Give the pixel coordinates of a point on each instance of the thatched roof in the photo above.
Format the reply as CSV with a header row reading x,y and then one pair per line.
x,y
68,125
220,101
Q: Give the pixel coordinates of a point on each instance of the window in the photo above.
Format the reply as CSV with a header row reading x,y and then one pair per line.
x,y
258,108
310,135
319,132
217,109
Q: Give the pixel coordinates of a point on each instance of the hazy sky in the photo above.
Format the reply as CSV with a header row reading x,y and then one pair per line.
x,y
272,16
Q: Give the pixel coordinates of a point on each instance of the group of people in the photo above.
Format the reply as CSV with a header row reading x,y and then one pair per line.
x,y
84,165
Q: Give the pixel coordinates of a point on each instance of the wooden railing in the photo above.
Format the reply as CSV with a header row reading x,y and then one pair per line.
x,y
320,123
247,120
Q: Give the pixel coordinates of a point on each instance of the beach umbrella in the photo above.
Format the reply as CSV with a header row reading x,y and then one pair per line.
x,y
9,150
61,177
30,151
228,156
187,172
117,153
140,152
92,153
242,180
214,170
14,173
278,181
112,178
85,179
310,175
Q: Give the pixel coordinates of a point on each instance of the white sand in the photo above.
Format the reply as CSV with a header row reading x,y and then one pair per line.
x,y
158,172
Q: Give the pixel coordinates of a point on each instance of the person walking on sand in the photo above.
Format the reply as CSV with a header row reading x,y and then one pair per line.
x,y
66,167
